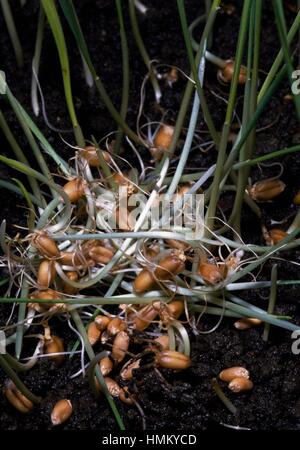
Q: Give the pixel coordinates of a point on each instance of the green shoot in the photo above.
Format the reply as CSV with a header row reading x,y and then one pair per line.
x,y
13,34
272,300
54,22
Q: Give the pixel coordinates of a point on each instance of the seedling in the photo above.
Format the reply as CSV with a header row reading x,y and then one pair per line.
x,y
70,262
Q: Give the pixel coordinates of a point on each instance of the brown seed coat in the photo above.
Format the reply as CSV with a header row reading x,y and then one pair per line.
x,y
266,190
101,322
90,154
173,360
169,265
106,365
144,317
61,412
115,326
101,254
120,346
126,371
240,384
74,189
93,333
16,398
210,273
68,289
46,273
112,386
246,323
46,246
233,372
55,345
225,74
274,236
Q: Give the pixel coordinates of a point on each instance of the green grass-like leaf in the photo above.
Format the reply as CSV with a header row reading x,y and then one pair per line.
x,y
71,16
58,34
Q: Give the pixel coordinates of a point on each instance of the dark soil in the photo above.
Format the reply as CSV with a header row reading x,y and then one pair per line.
x,y
187,400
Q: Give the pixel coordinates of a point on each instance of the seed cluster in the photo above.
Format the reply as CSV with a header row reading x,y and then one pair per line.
x,y
237,379
16,398
154,273
117,335
225,74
